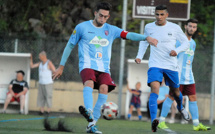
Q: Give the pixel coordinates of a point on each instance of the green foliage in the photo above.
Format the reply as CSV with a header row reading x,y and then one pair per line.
x,y
3,25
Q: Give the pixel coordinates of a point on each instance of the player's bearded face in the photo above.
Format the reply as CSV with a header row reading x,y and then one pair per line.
x,y
161,16
191,28
101,17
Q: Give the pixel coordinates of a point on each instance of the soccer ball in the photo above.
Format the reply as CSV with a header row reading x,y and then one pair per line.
x,y
109,110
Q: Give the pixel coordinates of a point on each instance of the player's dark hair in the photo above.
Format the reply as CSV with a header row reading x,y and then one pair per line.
x,y
192,21
104,6
20,71
161,7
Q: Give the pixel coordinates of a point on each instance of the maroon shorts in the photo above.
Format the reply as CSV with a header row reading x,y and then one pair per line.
x,y
99,78
13,98
188,89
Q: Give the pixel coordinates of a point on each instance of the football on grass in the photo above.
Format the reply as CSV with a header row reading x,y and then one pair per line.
x,y
109,110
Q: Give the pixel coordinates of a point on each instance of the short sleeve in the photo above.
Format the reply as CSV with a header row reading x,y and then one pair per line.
x,y
76,35
26,84
11,83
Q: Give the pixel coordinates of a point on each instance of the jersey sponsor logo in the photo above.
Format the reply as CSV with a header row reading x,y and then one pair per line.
x,y
189,52
98,42
106,32
188,62
91,32
98,55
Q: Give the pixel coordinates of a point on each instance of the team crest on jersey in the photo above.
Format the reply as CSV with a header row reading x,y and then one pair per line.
x,y
99,41
98,55
106,32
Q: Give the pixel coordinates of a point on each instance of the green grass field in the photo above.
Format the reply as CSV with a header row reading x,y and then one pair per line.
x,y
33,124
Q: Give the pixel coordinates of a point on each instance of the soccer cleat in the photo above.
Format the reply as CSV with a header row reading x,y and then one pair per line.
x,y
155,123
185,114
162,125
201,127
88,114
93,129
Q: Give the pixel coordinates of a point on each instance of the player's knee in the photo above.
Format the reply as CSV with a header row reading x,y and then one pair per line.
x,y
155,87
192,97
174,91
89,83
103,89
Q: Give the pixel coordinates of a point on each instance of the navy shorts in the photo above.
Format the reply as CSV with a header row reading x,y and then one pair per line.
x,y
136,105
157,74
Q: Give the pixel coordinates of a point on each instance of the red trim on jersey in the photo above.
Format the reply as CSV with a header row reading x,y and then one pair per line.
x,y
123,34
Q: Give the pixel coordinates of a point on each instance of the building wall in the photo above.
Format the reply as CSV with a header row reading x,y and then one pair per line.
x,y
68,96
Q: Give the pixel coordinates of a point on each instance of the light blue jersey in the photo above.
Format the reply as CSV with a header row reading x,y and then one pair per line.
x,y
95,44
185,60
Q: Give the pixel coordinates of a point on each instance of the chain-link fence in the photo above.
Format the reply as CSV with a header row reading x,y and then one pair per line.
x,y
202,66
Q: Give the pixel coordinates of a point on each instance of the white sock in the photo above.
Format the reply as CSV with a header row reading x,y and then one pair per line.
x,y
162,119
196,122
21,110
92,123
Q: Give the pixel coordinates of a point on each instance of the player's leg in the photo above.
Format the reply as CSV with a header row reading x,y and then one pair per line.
x,y
153,99
102,98
173,112
164,112
130,110
172,80
155,77
88,79
190,90
22,103
9,98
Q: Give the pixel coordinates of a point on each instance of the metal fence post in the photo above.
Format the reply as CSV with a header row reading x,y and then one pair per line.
x,y
16,46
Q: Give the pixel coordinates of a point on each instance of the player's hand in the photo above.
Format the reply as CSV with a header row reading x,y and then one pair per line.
x,y
173,53
152,41
138,61
58,72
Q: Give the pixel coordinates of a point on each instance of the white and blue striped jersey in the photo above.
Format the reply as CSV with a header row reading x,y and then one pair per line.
x,y
185,60
95,44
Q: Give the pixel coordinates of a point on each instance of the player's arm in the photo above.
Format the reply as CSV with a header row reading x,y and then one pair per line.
x,y
143,45
181,37
138,37
66,53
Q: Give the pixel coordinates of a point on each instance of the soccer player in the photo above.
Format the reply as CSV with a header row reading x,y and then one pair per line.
x,y
187,83
163,60
95,38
